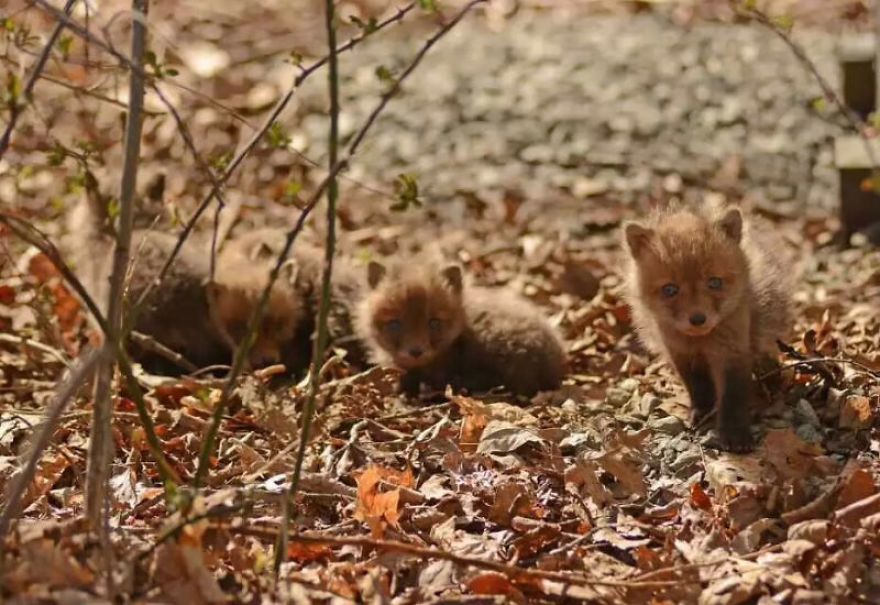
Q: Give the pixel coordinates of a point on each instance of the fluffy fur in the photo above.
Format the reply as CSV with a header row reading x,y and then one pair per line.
x,y
420,317
201,321
261,247
706,296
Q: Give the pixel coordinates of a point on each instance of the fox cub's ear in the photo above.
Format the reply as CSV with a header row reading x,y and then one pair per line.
x,y
637,237
731,224
453,277
375,273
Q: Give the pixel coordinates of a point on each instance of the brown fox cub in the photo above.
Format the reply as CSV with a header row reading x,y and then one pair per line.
x,y
201,321
421,318
262,247
702,292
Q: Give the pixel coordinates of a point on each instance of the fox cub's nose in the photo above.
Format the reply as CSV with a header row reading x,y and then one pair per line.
x,y
697,319
416,352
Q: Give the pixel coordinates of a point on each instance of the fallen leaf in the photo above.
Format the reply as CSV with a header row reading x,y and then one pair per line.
x,y
380,508
700,498
790,456
856,413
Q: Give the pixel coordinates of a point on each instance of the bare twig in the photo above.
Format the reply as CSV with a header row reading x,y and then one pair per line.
x,y
855,122
329,250
66,390
260,309
36,238
100,446
16,108
251,143
35,346
422,552
812,363
150,344
33,236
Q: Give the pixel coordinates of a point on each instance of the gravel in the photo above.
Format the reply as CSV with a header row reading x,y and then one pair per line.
x,y
595,106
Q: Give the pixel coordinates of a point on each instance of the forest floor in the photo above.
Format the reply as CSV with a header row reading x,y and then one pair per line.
x,y
532,139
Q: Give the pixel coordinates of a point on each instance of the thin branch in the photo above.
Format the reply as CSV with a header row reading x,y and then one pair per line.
x,y
249,146
19,483
16,109
34,345
36,238
260,309
33,236
422,552
100,446
320,343
855,122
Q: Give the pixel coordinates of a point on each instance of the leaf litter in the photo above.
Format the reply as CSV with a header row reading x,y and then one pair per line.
x,y
600,491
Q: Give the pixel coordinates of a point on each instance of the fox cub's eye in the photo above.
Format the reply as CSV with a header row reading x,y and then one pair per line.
x,y
715,283
393,326
669,290
434,323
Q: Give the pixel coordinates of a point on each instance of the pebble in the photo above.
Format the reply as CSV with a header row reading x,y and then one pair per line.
x,y
555,96
668,425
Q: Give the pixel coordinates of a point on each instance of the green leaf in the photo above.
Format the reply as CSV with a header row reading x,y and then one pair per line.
x,y
750,5
784,22
406,188
874,119
65,43
291,195
295,58
367,27
222,161
819,104
429,5
386,76
8,24
278,139
56,155
170,71
113,208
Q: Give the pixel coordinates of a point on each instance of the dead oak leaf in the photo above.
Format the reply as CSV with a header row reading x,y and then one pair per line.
x,y
50,470
789,455
179,571
43,563
492,583
627,471
380,508
858,485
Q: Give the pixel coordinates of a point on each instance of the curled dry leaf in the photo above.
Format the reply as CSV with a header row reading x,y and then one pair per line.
x,y
376,508
491,583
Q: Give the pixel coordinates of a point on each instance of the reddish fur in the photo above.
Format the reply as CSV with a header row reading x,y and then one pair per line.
x,y
479,338
743,318
303,273
233,297
201,321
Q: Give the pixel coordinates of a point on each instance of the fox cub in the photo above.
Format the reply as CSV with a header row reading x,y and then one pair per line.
x,y
261,247
703,293
202,320
420,318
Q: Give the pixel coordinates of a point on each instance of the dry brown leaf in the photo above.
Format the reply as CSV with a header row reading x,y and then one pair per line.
x,y
492,583
380,508
789,455
179,571
43,563
858,485
856,413
51,467
627,471
700,498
